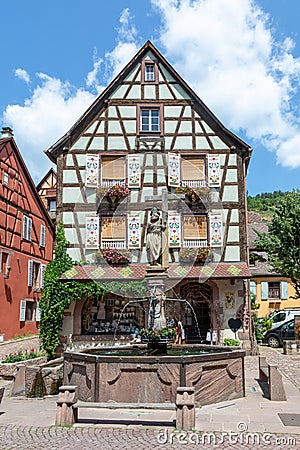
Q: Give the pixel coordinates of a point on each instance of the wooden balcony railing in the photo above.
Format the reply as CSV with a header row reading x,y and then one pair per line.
x,y
193,183
196,243
113,243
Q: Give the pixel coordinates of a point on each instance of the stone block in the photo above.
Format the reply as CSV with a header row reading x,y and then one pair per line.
x,y
66,414
185,408
276,387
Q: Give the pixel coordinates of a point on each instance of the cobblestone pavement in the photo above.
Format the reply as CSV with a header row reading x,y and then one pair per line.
x,y
87,438
14,346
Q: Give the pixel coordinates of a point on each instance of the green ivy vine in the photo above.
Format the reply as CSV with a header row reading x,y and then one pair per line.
x,y
57,295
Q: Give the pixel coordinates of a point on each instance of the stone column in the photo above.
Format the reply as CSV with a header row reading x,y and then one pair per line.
x,y
66,414
185,408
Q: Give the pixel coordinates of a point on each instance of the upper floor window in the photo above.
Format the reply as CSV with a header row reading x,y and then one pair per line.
x,y
150,120
43,236
5,178
149,72
5,263
193,171
113,232
112,170
195,231
52,205
27,228
36,273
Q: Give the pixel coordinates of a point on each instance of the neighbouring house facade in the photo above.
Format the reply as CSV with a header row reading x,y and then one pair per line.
x,y
47,191
26,243
272,290
148,147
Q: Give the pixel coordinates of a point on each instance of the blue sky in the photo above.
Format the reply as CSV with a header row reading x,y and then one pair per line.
x,y
242,57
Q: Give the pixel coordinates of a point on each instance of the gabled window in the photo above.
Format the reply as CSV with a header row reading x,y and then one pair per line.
x,y
52,205
112,170
195,231
27,228
149,72
113,232
43,236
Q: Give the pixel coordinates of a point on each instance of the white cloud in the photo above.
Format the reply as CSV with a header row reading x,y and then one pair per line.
x,y
127,45
51,110
22,75
227,51
92,76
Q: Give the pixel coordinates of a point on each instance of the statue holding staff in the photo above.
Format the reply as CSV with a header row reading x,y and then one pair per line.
x,y
155,228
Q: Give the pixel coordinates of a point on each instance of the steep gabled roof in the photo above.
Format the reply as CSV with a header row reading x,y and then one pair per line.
x,y
64,143
10,141
48,175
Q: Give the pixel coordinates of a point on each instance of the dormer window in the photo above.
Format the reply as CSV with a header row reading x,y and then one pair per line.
x,y
149,72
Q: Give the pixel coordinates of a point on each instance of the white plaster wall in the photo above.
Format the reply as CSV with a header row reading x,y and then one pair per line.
x,y
172,111
230,194
232,253
232,160
170,126
97,143
233,234
130,126
116,143
231,176
114,127
185,127
149,91
69,176
218,143
80,144
234,215
201,143
72,195
135,92
183,143
128,111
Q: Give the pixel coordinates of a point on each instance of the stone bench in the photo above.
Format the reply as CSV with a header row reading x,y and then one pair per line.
x,y
269,373
68,406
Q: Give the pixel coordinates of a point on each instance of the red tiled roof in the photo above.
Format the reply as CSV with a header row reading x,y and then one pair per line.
x,y
175,271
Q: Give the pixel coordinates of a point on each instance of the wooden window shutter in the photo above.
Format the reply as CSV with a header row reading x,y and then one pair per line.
x,y
215,230
37,313
30,272
22,310
91,170
43,236
29,229
113,168
192,168
134,171
174,170
174,224
92,232
284,290
134,230
113,228
264,290
214,171
195,227
42,275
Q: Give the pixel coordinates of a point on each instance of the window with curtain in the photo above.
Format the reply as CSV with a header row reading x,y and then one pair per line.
x,y
113,230
112,170
195,228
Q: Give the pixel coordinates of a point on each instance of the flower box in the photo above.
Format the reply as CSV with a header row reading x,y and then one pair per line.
x,y
191,255
113,256
195,194
114,193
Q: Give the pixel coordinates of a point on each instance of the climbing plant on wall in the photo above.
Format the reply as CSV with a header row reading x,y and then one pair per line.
x,y
57,296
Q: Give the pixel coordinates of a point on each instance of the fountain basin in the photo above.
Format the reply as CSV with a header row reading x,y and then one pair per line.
x,y
118,375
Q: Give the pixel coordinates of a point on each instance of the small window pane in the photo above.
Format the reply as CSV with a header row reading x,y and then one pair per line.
x,y
150,73
5,178
52,205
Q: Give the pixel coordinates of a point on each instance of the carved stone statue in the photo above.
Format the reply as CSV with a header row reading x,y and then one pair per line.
x,y
157,319
155,228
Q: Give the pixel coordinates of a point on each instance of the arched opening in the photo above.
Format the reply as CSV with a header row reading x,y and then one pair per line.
x,y
200,297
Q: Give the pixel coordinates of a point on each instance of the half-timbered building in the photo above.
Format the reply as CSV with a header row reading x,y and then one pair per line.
x,y
148,141
26,243
47,191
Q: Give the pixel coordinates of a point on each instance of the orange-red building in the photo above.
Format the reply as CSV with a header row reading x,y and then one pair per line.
x,y
26,243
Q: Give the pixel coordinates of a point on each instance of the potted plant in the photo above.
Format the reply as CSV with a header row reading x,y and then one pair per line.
x,y
203,253
115,256
157,335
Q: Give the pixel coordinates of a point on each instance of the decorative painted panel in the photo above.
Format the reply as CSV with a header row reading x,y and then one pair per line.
x,y
134,171
214,171
174,230
91,170
174,170
92,232
215,228
134,231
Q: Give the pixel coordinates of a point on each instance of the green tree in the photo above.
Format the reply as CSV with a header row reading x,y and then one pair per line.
x,y
282,242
